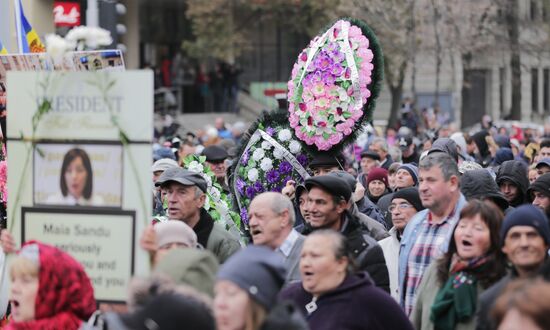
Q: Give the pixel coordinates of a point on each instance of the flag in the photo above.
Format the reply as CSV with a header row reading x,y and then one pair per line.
x,y
29,40
3,49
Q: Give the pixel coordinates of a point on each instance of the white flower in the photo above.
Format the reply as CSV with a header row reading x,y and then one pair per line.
x,y
206,203
195,166
278,153
284,135
57,47
254,138
266,145
266,164
258,154
215,193
89,37
253,175
294,146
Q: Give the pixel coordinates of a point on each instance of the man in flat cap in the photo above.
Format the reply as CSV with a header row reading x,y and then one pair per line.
x,y
215,160
185,193
328,209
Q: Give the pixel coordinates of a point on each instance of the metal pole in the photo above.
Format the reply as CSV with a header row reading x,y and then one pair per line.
x,y
18,25
92,14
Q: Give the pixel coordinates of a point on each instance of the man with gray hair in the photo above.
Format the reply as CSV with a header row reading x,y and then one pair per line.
x,y
271,219
429,232
380,146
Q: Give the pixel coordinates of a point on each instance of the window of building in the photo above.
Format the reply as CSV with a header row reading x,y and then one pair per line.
x,y
534,89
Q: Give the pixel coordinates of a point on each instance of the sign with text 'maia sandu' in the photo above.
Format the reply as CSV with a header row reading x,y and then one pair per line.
x,y
79,169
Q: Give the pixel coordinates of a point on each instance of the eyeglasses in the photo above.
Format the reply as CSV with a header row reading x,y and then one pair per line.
x,y
402,207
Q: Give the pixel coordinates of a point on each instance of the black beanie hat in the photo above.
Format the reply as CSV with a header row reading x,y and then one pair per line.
x,y
258,270
411,195
542,185
526,215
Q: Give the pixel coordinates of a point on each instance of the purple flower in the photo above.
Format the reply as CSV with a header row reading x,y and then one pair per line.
x,y
245,158
328,78
285,167
250,192
244,215
323,62
259,187
302,159
338,56
270,131
272,176
337,69
332,47
288,178
240,185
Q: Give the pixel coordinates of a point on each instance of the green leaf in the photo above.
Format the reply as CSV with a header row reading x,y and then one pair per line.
x,y
346,115
202,159
326,136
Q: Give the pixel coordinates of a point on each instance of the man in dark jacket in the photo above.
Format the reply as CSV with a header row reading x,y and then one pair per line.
x,y
380,146
185,193
479,184
327,206
525,238
539,193
513,182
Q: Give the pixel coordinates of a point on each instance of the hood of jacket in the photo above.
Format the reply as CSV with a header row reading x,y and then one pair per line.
x,y
514,171
479,184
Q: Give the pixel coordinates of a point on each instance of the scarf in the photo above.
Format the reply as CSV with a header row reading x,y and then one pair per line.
x,y
456,301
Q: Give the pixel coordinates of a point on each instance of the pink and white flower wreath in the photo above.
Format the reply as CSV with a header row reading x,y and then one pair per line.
x,y
328,87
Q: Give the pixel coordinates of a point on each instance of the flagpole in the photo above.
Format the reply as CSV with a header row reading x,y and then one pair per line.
x,y
18,25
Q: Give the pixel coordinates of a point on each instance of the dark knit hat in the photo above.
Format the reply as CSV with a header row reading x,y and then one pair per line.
x,y
526,215
327,159
378,173
411,195
413,171
542,185
258,270
502,155
332,184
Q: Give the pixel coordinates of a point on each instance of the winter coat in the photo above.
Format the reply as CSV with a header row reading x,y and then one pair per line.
x,y
479,184
284,315
428,289
390,246
355,304
487,299
215,238
65,297
515,172
369,226
383,205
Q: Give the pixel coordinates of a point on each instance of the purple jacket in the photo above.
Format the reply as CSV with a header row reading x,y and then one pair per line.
x,y
356,304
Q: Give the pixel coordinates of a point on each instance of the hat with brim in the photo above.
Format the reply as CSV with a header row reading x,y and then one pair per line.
x,y
370,154
332,184
543,162
215,154
182,176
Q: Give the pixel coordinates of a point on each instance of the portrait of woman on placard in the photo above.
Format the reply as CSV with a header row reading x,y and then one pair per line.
x,y
76,181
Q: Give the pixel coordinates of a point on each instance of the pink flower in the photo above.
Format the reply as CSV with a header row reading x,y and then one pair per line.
x,y
335,138
319,89
303,56
354,31
322,103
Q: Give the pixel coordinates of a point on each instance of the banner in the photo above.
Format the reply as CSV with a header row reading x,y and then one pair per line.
x,y
84,185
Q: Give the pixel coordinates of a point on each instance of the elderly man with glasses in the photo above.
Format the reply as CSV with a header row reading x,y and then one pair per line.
x,y
404,204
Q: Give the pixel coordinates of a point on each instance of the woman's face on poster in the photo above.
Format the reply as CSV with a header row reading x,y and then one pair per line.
x,y
76,177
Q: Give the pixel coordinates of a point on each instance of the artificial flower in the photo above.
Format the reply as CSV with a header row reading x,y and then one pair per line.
x,y
258,154
253,175
266,164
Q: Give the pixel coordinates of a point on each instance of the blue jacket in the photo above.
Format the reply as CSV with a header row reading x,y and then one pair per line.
x,y
411,234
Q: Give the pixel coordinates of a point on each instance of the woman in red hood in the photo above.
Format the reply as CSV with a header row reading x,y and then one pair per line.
x,y
49,290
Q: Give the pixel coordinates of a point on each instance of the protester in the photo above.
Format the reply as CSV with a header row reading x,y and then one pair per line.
x,y
525,239
157,169
512,181
300,209
271,220
49,289
539,193
428,233
324,163
377,184
185,195
543,167
405,203
449,289
524,304
172,234
215,160
327,205
246,290
332,296
380,146
408,148
369,161
407,176
392,173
